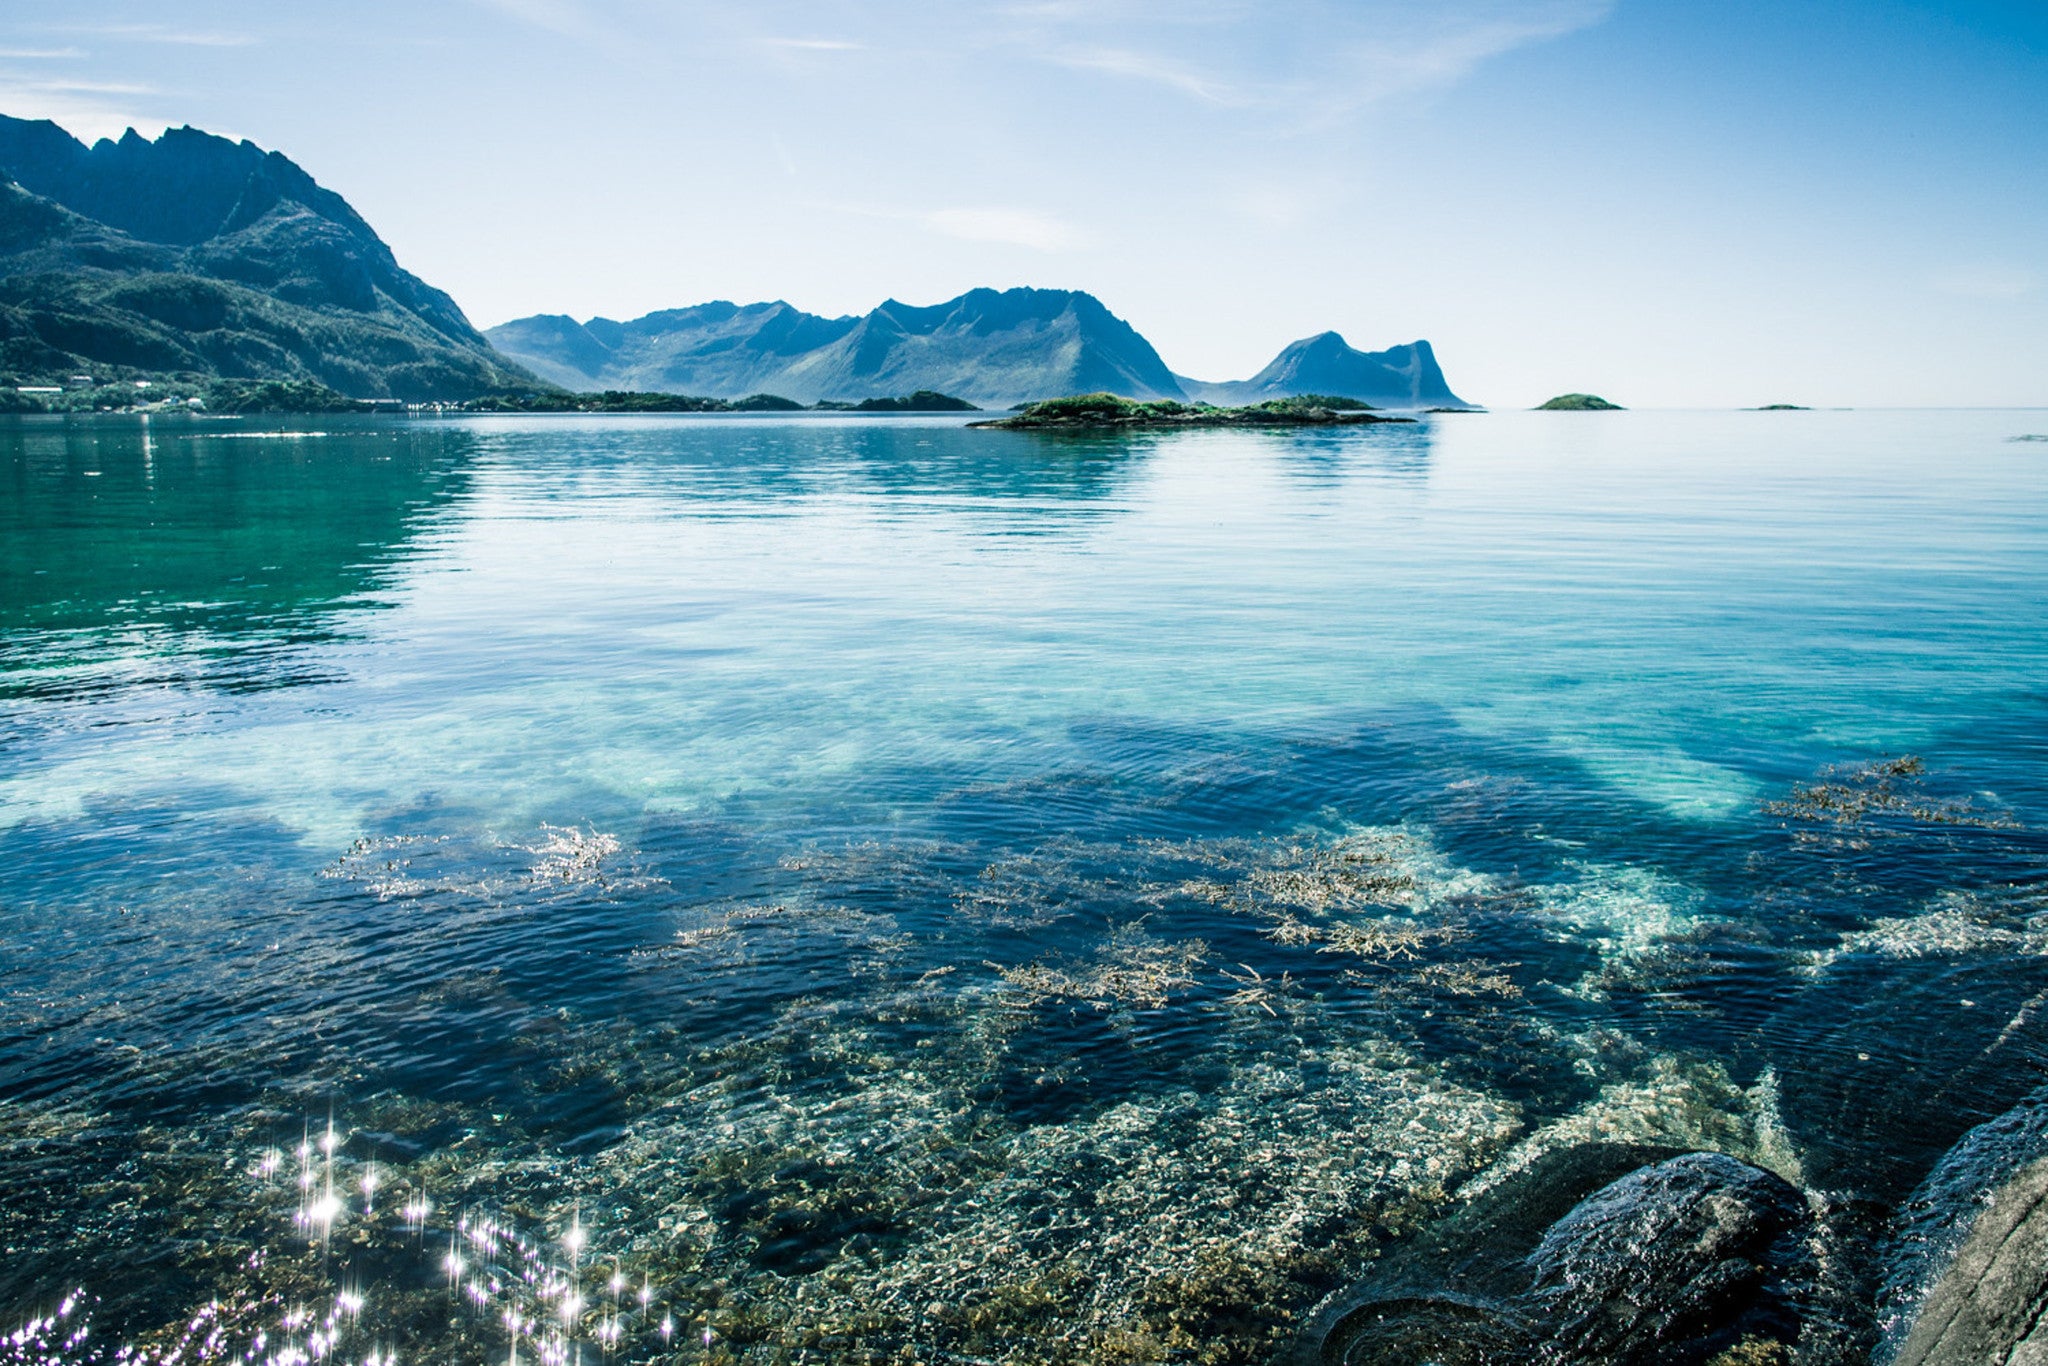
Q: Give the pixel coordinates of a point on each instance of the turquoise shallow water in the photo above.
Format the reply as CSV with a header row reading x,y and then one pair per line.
x,y
978,895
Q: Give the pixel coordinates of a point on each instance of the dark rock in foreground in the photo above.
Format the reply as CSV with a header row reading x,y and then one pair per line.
x,y
1578,403
1968,1266
1601,1253
1991,1309
1099,412
1675,1262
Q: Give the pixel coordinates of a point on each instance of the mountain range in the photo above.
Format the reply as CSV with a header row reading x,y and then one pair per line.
x,y
194,255
992,347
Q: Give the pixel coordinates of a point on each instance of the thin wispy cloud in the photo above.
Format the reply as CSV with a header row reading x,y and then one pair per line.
x,y
1007,227
591,26
1990,280
160,33
1294,62
1159,71
1452,42
40,54
88,110
555,16
1311,60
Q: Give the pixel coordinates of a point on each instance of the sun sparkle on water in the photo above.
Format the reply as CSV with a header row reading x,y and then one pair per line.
x,y
543,1303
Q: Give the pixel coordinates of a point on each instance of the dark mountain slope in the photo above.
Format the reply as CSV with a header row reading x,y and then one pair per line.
x,y
193,254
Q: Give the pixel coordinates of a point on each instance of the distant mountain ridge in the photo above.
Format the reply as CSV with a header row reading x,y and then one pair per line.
x,y
994,347
988,346
194,254
200,258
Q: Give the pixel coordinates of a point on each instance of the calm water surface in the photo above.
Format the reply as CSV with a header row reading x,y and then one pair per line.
x,y
863,890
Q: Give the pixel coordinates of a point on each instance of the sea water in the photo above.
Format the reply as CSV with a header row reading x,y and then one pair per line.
x,y
875,889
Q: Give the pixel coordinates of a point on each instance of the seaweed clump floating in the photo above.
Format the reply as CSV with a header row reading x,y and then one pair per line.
x,y
1855,794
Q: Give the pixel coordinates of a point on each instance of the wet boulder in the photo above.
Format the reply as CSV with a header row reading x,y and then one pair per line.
x,y
1991,1306
1674,1262
1602,1253
1929,1230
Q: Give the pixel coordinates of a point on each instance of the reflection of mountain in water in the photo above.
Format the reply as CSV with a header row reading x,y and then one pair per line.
x,y
994,465
181,539
704,462
1326,459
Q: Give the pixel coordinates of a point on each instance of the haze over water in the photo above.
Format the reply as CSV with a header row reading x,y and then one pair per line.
x,y
903,886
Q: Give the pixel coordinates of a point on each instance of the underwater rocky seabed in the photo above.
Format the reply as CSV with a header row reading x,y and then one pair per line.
x,y
1194,1039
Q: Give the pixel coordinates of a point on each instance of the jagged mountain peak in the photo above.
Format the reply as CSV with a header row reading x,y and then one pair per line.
x,y
992,346
197,254
1398,377
181,188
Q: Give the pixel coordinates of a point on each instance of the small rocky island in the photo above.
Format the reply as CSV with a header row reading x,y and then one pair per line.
x,y
1095,412
1578,403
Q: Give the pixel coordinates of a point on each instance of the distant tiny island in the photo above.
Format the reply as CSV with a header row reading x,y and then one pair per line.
x,y
1578,403
1782,408
1095,412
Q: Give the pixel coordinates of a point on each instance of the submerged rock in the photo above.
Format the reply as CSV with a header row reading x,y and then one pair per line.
x,y
1673,1262
1991,1308
1600,1253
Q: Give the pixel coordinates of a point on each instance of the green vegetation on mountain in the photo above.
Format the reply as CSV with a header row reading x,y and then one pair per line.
x,y
191,258
1094,412
1578,403
81,395
200,395
1336,403
640,401
610,401
923,401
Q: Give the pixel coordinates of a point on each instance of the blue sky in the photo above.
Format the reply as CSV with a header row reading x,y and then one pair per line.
x,y
1670,203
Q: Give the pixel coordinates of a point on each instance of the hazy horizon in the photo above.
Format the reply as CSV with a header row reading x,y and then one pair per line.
x,y
1824,204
